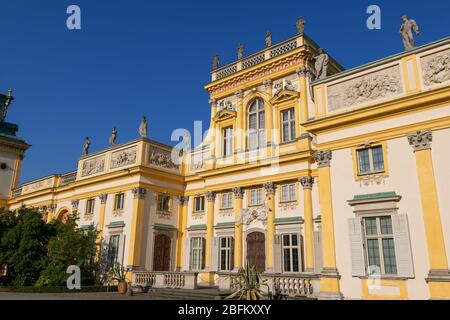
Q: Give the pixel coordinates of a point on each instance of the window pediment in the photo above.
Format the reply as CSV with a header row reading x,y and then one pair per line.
x,y
284,95
224,115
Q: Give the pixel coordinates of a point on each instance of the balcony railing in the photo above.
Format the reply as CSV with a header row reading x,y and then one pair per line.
x,y
165,279
68,178
17,192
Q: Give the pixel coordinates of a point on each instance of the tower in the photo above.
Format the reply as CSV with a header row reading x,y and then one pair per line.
x,y
12,150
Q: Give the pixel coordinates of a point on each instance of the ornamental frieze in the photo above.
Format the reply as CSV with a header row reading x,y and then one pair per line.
x,y
93,166
258,73
377,85
123,157
162,158
436,68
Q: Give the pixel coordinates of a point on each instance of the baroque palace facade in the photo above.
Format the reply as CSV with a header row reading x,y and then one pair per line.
x,y
333,188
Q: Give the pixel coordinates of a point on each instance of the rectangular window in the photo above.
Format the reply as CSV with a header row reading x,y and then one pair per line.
x,y
288,193
370,160
379,238
163,203
255,197
227,200
113,249
290,253
90,206
197,253
227,145
199,204
119,201
288,125
226,254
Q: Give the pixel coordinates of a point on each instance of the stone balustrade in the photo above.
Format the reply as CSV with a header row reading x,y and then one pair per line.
x,y
293,285
165,279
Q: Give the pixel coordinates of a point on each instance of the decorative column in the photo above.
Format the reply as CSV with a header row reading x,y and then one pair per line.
x,y
101,223
307,183
439,274
302,73
137,222
182,224
329,281
212,128
270,194
269,113
240,130
210,198
238,229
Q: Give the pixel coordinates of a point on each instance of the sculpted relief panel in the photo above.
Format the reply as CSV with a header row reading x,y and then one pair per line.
x,y
377,85
123,157
93,166
162,158
436,68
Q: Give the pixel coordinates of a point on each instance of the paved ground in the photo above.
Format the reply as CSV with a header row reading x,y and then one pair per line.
x,y
73,296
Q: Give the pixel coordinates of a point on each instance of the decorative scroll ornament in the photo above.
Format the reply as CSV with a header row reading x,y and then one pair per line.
x,y
210,196
184,200
75,204
238,192
306,182
269,187
139,192
248,215
103,197
436,69
162,158
323,158
420,140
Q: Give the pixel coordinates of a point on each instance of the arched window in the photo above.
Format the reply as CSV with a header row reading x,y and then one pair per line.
x,y
256,125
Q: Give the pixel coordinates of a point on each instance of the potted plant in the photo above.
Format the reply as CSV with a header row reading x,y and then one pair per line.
x,y
119,273
251,284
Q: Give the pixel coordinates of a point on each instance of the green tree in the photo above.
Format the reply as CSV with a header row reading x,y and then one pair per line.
x,y
70,246
23,246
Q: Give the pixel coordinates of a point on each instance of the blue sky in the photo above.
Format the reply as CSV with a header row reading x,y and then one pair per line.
x,y
134,58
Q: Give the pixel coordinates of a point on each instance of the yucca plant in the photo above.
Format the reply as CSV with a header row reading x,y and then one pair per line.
x,y
251,284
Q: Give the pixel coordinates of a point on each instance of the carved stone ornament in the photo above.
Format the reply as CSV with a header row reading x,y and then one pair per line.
x,y
238,192
184,200
162,158
269,187
93,166
103,197
267,83
323,158
420,140
75,204
302,72
436,68
306,182
377,85
248,215
139,192
123,157
51,207
239,94
210,196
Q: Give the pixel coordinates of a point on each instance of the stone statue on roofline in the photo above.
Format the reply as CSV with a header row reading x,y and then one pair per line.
x,y
240,51
4,105
143,127
113,137
406,29
321,64
87,144
300,25
216,62
268,39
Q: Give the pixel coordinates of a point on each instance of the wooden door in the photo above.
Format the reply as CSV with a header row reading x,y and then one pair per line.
x,y
161,253
256,250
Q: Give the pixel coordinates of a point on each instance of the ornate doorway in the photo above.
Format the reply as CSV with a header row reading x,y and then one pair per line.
x,y
161,253
256,250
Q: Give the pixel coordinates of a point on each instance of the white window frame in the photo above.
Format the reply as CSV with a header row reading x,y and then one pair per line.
x,y
291,248
119,201
288,192
228,249
259,131
90,206
371,165
290,122
202,204
379,236
197,245
255,198
227,141
226,201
